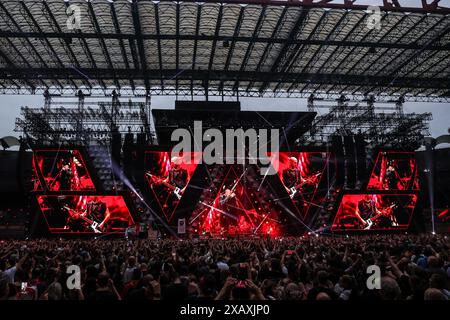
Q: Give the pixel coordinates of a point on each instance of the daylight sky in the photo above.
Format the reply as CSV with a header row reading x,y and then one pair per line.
x,y
10,104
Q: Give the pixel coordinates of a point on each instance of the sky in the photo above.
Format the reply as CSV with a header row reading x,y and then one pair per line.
x,y
10,104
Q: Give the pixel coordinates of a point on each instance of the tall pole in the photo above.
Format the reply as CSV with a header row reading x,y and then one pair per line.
x,y
429,170
80,116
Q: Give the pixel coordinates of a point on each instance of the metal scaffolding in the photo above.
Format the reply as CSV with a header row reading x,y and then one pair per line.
x,y
83,122
381,125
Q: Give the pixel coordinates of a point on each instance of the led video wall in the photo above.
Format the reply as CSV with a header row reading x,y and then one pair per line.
x,y
394,171
374,212
168,178
388,201
85,213
68,199
237,201
60,170
301,174
227,199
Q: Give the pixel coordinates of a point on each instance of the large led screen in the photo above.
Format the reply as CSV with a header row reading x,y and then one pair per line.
x,y
61,170
394,171
168,178
300,174
374,212
85,213
235,201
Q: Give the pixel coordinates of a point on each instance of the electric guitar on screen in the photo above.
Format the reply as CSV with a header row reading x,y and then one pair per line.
x,y
176,190
78,215
385,212
310,180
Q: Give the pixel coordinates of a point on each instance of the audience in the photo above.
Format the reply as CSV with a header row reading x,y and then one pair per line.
x,y
412,267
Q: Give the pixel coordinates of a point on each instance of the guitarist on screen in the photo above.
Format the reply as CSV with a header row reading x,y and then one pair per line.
x,y
176,180
96,216
294,182
292,176
177,176
368,213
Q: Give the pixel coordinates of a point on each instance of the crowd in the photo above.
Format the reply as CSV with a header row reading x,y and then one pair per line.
x,y
413,267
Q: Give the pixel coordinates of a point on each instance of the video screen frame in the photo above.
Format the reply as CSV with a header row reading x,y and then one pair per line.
x,y
374,210
313,180
62,168
168,185
387,175
73,206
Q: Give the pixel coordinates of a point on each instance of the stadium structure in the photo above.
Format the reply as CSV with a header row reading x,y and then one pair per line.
x,y
347,161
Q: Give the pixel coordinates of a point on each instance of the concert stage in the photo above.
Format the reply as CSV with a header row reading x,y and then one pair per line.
x,y
342,160
343,185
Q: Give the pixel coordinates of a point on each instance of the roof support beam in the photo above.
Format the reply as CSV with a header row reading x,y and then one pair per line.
x,y
216,34
236,39
231,75
11,65
330,4
213,48
409,59
194,55
237,29
314,56
91,59
269,46
353,50
395,26
251,44
102,41
177,43
140,42
396,71
281,58
281,61
47,42
121,43
31,47
64,41
156,9
294,57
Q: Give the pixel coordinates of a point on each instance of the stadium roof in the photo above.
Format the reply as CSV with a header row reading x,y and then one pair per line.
x,y
249,47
